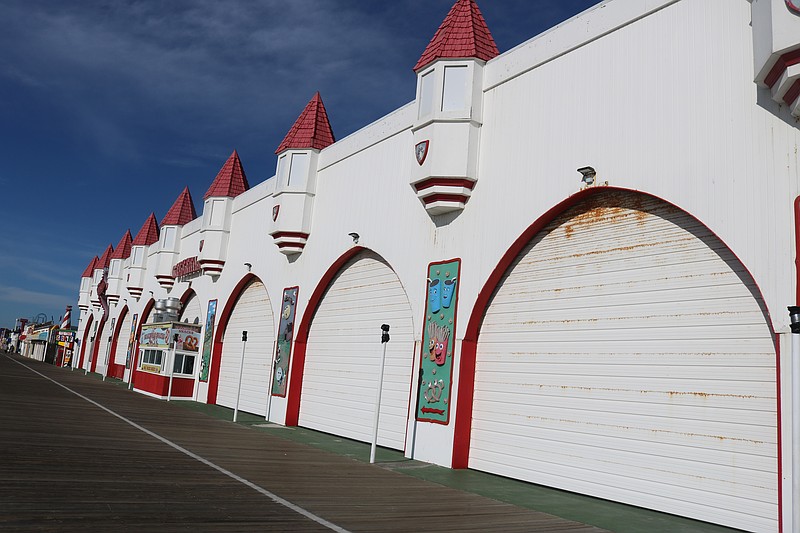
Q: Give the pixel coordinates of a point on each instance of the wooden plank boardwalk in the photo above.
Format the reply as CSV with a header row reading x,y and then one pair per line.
x,y
66,464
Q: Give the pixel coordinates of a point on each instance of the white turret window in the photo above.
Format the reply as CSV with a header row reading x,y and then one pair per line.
x,y
454,93
168,237
138,256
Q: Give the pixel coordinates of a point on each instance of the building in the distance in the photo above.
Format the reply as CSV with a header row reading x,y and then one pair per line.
x,y
584,248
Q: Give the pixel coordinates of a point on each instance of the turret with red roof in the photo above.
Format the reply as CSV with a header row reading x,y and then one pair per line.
x,y
100,281
230,182
450,109
296,176
137,263
181,213
118,257
86,285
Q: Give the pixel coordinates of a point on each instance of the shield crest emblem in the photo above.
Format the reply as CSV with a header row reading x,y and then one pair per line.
x,y
275,211
794,6
421,151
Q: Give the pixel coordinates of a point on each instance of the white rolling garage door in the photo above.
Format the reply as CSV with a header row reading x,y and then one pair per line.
x,y
624,355
121,351
343,355
191,312
253,314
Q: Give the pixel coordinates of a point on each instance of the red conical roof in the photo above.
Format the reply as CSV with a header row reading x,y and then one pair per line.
x,y
90,269
311,129
149,232
105,259
182,211
123,249
230,181
463,34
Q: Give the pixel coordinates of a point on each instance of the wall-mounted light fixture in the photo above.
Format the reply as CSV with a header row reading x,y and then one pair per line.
x,y
794,318
588,174
355,236
248,266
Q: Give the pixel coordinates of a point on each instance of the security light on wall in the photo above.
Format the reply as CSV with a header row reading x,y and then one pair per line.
x,y
588,174
794,318
355,236
248,266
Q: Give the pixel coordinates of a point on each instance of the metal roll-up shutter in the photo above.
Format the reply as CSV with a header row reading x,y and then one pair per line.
x,y
343,355
121,351
626,354
252,313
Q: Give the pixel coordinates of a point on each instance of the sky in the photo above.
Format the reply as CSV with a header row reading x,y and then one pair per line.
x,y
109,108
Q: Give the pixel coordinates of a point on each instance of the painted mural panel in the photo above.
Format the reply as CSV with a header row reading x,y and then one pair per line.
x,y
208,340
283,346
438,342
131,341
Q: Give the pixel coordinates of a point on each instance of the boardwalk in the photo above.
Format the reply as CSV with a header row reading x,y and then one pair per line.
x,y
67,464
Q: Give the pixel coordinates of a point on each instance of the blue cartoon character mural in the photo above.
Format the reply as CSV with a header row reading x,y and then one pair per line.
x,y
438,342
434,296
447,292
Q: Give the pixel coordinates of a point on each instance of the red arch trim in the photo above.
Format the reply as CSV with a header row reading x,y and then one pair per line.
x,y
301,337
86,332
216,356
142,320
466,382
111,370
97,341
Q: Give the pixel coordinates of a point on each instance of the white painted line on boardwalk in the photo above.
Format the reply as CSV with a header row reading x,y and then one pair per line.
x,y
265,492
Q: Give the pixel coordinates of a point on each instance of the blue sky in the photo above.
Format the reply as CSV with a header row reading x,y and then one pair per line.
x,y
108,108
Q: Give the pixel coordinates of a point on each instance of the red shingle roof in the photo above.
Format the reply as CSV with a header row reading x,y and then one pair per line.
x,y
182,211
149,232
89,272
105,259
463,34
230,180
311,129
123,249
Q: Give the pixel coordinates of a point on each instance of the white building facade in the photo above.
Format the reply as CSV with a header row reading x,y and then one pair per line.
x,y
619,331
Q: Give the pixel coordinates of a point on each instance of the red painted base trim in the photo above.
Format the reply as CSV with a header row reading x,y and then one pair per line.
x,y
116,371
159,385
289,235
301,337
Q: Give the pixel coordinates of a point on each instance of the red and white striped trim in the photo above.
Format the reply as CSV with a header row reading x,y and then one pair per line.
x,y
784,78
212,267
290,242
136,292
444,194
167,282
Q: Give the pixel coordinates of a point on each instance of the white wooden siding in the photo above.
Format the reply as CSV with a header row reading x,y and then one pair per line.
x,y
625,356
191,311
121,351
252,313
344,350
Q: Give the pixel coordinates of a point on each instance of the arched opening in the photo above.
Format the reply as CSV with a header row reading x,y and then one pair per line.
x,y
621,350
342,351
87,335
119,346
248,309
